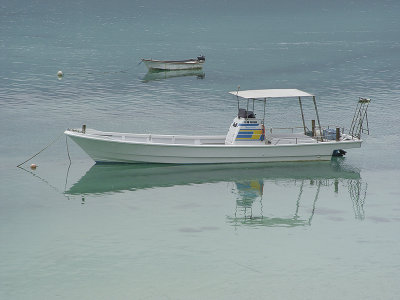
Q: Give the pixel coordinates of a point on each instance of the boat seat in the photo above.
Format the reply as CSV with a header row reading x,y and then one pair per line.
x,y
246,114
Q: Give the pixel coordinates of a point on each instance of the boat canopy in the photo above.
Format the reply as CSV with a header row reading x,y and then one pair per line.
x,y
270,93
262,95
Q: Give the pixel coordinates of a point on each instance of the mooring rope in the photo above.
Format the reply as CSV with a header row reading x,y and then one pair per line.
x,y
66,142
41,179
44,180
69,166
55,140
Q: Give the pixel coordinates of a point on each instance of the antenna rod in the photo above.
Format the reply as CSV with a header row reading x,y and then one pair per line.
x,y
237,96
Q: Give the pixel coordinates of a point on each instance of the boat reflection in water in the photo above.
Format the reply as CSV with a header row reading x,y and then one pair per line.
x,y
165,74
259,189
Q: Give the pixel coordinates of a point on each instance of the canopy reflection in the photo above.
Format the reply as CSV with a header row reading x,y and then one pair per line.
x,y
251,201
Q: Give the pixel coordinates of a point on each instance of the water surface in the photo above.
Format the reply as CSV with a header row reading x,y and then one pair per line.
x,y
253,231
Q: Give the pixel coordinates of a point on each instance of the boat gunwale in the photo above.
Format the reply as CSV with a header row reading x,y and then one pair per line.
x,y
186,61
89,136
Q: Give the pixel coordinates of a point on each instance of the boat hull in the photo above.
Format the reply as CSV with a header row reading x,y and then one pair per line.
x,y
104,150
173,65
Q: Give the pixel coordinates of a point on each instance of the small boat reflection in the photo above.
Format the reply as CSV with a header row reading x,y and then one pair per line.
x,y
247,185
165,74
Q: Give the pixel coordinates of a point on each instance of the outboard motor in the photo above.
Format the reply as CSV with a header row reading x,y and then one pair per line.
x,y
339,153
201,58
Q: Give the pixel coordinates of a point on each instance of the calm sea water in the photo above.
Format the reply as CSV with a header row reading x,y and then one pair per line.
x,y
266,231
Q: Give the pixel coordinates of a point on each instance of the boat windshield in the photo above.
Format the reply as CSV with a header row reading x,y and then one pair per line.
x,y
246,114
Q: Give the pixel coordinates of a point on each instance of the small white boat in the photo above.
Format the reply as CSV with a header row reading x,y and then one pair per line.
x,y
187,64
247,140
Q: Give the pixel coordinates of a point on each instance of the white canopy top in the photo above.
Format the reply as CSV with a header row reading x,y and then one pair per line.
x,y
270,93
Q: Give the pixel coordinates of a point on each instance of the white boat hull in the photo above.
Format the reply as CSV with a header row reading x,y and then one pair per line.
x,y
173,65
130,148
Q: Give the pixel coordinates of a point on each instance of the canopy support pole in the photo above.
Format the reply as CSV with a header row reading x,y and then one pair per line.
x,y
316,112
302,116
265,101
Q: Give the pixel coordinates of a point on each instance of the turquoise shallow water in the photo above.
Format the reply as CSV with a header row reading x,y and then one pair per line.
x,y
307,230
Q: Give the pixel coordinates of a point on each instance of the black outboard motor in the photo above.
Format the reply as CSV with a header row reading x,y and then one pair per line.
x,y
339,153
201,58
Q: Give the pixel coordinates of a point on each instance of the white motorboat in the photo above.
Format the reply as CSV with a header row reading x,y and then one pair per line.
x,y
247,140
187,64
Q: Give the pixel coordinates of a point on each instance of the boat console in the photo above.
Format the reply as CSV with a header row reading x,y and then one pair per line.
x,y
245,129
